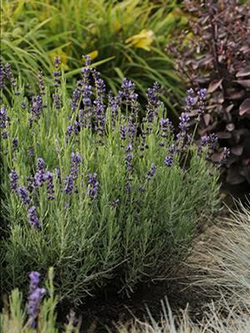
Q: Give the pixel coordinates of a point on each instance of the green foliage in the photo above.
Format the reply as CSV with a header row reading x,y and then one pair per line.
x,y
126,37
120,236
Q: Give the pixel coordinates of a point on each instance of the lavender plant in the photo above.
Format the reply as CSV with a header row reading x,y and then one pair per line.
x,y
39,315
92,191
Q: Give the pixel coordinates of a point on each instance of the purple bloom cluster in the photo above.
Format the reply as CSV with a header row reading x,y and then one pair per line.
x,y
76,95
190,99
153,102
184,122
13,180
14,144
170,157
31,185
75,162
48,176
86,88
69,132
209,142
70,180
151,172
57,73
99,102
129,158
114,103
22,192
128,91
86,95
57,100
128,130
93,185
129,96
2,75
32,218
87,59
41,83
9,75
69,184
166,127
40,173
36,107
202,94
99,84
4,119
34,299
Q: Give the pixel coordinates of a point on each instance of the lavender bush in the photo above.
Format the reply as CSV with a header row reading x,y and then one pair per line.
x,y
94,192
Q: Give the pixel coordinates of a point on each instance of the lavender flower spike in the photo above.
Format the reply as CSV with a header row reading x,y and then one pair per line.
x,y
40,174
34,281
50,186
184,122
93,185
23,194
170,158
151,172
34,300
13,180
32,217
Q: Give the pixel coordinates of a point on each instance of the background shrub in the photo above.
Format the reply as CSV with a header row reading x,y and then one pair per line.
x,y
125,38
214,54
93,193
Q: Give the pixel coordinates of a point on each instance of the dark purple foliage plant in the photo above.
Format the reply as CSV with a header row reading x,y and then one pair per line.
x,y
214,53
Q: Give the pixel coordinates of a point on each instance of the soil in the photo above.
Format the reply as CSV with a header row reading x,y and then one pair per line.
x,y
103,313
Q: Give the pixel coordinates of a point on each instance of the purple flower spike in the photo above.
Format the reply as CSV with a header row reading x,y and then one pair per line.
x,y
93,185
13,180
75,162
184,122
87,60
69,184
34,299
57,101
9,75
37,106
32,217
40,174
15,144
128,92
153,102
170,158
41,83
75,99
50,186
34,281
202,93
4,119
23,194
151,172
2,75
190,99
166,126
70,180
